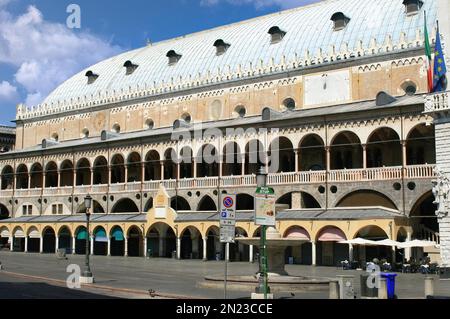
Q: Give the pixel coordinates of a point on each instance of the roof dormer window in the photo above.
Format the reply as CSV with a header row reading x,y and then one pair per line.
x,y
340,21
221,47
91,77
412,7
130,67
173,57
276,34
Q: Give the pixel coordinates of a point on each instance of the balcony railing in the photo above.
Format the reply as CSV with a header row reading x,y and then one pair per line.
x,y
437,102
311,177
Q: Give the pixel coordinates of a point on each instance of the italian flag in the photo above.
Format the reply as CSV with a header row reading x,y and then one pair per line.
x,y
429,58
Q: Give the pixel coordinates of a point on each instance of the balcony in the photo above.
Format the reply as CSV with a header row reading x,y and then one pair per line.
x,y
437,103
298,178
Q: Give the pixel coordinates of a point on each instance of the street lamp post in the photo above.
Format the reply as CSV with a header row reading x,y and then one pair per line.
x,y
87,277
261,181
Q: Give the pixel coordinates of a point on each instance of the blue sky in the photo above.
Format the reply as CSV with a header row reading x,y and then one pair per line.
x,y
38,51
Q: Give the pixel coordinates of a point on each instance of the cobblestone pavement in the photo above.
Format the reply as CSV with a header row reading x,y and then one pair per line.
x,y
173,278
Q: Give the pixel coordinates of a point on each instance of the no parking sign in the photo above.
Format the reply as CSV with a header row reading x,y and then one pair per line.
x,y
228,219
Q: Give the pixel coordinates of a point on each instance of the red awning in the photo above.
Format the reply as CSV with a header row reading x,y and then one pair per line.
x,y
298,233
332,235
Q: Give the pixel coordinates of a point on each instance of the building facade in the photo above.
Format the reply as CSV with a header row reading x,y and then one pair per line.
x,y
327,97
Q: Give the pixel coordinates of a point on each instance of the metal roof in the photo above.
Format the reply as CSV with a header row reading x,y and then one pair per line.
x,y
308,29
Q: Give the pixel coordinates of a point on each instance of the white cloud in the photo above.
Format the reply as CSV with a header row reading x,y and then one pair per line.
x,y
7,91
45,54
284,4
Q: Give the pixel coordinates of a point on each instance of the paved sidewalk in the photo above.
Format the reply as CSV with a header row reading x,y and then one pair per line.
x,y
172,277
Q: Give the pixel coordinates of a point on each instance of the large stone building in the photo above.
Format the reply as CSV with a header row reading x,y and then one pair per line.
x,y
333,90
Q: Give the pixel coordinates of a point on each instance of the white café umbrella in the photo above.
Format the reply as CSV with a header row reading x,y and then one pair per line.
x,y
417,244
359,241
388,243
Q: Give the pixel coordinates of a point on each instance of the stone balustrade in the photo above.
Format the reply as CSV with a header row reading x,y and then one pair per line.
x,y
311,177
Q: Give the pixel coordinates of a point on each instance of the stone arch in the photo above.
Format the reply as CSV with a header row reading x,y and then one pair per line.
x,y
100,241
384,148
423,215
186,162
66,173
371,232
161,240
49,240
22,177
346,151
117,169
281,155
83,172
125,206
4,212
214,247
97,208
191,243
81,236
7,177
208,161
101,171
297,232
36,176
298,200
329,252
65,239
245,202
255,156
148,205
134,167
51,175
421,145
207,204
135,241
232,160
179,203
312,153
153,166
366,198
170,164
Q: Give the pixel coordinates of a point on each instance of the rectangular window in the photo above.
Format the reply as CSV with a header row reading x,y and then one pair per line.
x,y
30,210
54,208
60,209
24,210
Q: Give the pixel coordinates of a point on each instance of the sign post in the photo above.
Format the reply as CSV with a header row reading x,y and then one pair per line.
x,y
227,229
265,204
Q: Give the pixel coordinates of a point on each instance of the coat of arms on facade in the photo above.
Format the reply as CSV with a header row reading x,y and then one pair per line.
x,y
441,192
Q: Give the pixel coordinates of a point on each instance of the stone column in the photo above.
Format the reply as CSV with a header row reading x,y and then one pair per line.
x,y
56,244
194,165
178,248
41,245
328,157
59,179
74,243
404,155
92,176
26,244
92,245
364,147
297,160
314,251
205,249
11,247
250,253
162,252
243,165
350,253
109,174
126,247
408,250
126,174
109,246
162,171
145,247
